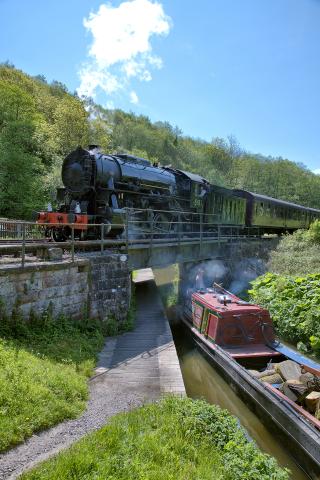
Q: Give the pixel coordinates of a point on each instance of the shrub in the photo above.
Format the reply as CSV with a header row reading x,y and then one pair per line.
x,y
297,253
293,303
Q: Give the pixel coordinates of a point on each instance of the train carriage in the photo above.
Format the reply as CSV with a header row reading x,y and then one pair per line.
x,y
273,215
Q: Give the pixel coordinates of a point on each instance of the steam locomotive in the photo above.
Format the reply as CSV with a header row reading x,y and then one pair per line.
x,y
102,191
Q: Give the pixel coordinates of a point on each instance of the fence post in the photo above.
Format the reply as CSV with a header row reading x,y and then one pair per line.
x,y
201,232
151,237
179,228
72,243
101,236
127,231
23,250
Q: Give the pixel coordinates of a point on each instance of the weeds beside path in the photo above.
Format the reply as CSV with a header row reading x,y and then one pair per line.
x,y
174,439
43,375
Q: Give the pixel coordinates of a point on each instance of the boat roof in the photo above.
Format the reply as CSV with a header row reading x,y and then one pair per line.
x,y
210,299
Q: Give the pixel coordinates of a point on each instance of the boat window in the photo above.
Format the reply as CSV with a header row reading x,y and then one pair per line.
x,y
197,312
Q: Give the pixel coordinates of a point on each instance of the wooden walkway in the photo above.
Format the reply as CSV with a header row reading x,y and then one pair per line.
x,y
146,358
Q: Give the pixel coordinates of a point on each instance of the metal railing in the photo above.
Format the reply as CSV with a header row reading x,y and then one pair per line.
x,y
143,228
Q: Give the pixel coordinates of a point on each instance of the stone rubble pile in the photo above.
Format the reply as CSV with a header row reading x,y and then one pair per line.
x,y
293,381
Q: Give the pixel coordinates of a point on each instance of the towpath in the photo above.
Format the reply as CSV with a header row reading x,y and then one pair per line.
x,y
133,369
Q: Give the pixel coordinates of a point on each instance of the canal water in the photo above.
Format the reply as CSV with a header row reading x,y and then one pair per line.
x,y
203,381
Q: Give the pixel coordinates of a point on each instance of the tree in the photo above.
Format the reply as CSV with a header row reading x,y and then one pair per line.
x,y
70,124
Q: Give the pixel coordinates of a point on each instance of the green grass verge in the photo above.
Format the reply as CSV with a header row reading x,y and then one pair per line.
x,y
43,374
176,439
44,367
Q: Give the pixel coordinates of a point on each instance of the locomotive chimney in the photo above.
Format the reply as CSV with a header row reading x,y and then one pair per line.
x,y
94,148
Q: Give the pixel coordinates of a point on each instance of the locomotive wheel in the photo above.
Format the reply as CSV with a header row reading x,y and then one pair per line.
x,y
58,234
162,225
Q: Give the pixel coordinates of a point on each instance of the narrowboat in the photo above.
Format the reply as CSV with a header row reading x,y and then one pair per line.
x,y
279,384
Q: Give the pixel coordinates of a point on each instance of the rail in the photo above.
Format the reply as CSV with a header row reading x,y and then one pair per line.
x,y
140,227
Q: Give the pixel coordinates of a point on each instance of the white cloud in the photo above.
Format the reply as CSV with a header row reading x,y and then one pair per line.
x,y
134,97
121,48
317,171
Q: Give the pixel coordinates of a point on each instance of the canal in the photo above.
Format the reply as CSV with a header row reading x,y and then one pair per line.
x,y
203,381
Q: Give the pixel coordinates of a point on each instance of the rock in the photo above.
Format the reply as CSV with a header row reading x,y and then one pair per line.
x,y
312,401
55,254
275,378
298,388
306,377
288,370
290,393
267,373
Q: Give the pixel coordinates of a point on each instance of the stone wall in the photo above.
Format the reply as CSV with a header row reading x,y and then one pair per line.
x,y
95,285
110,286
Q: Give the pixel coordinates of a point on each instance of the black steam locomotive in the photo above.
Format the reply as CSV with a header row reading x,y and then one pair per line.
x,y
106,190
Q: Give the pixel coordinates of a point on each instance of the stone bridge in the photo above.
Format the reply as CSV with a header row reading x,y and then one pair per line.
x,y
98,284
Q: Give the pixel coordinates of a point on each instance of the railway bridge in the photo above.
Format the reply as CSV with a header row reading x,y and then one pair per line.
x,y
95,275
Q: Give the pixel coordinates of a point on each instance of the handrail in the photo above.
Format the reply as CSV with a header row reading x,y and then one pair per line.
x,y
161,232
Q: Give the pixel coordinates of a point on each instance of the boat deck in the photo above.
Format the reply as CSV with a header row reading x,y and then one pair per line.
x,y
251,351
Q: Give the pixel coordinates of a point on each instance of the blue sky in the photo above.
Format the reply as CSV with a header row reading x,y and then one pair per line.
x,y
248,68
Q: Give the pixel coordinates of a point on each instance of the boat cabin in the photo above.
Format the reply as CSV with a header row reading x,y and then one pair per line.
x,y
240,328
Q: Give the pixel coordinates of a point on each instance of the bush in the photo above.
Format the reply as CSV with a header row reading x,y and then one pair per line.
x,y
297,253
314,232
174,439
293,303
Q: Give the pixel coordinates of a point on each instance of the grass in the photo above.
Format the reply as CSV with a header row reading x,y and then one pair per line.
x,y
176,439
44,367
43,376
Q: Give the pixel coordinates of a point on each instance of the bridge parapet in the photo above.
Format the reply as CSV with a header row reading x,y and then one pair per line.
x,y
94,286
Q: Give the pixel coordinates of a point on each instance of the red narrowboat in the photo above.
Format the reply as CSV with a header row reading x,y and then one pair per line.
x,y
279,384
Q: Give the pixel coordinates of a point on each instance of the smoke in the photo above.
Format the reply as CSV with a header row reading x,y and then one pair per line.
x,y
244,272
234,276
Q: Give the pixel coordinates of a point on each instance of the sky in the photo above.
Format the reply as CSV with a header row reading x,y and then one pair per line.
x,y
247,68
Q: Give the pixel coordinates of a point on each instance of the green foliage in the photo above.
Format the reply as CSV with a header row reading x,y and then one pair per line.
x,y
293,303
297,253
44,369
40,123
167,281
314,232
176,439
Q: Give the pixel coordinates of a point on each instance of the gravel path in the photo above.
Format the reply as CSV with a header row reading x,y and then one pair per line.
x,y
130,372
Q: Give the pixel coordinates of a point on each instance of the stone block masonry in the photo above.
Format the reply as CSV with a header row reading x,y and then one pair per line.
x,y
109,286
95,285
